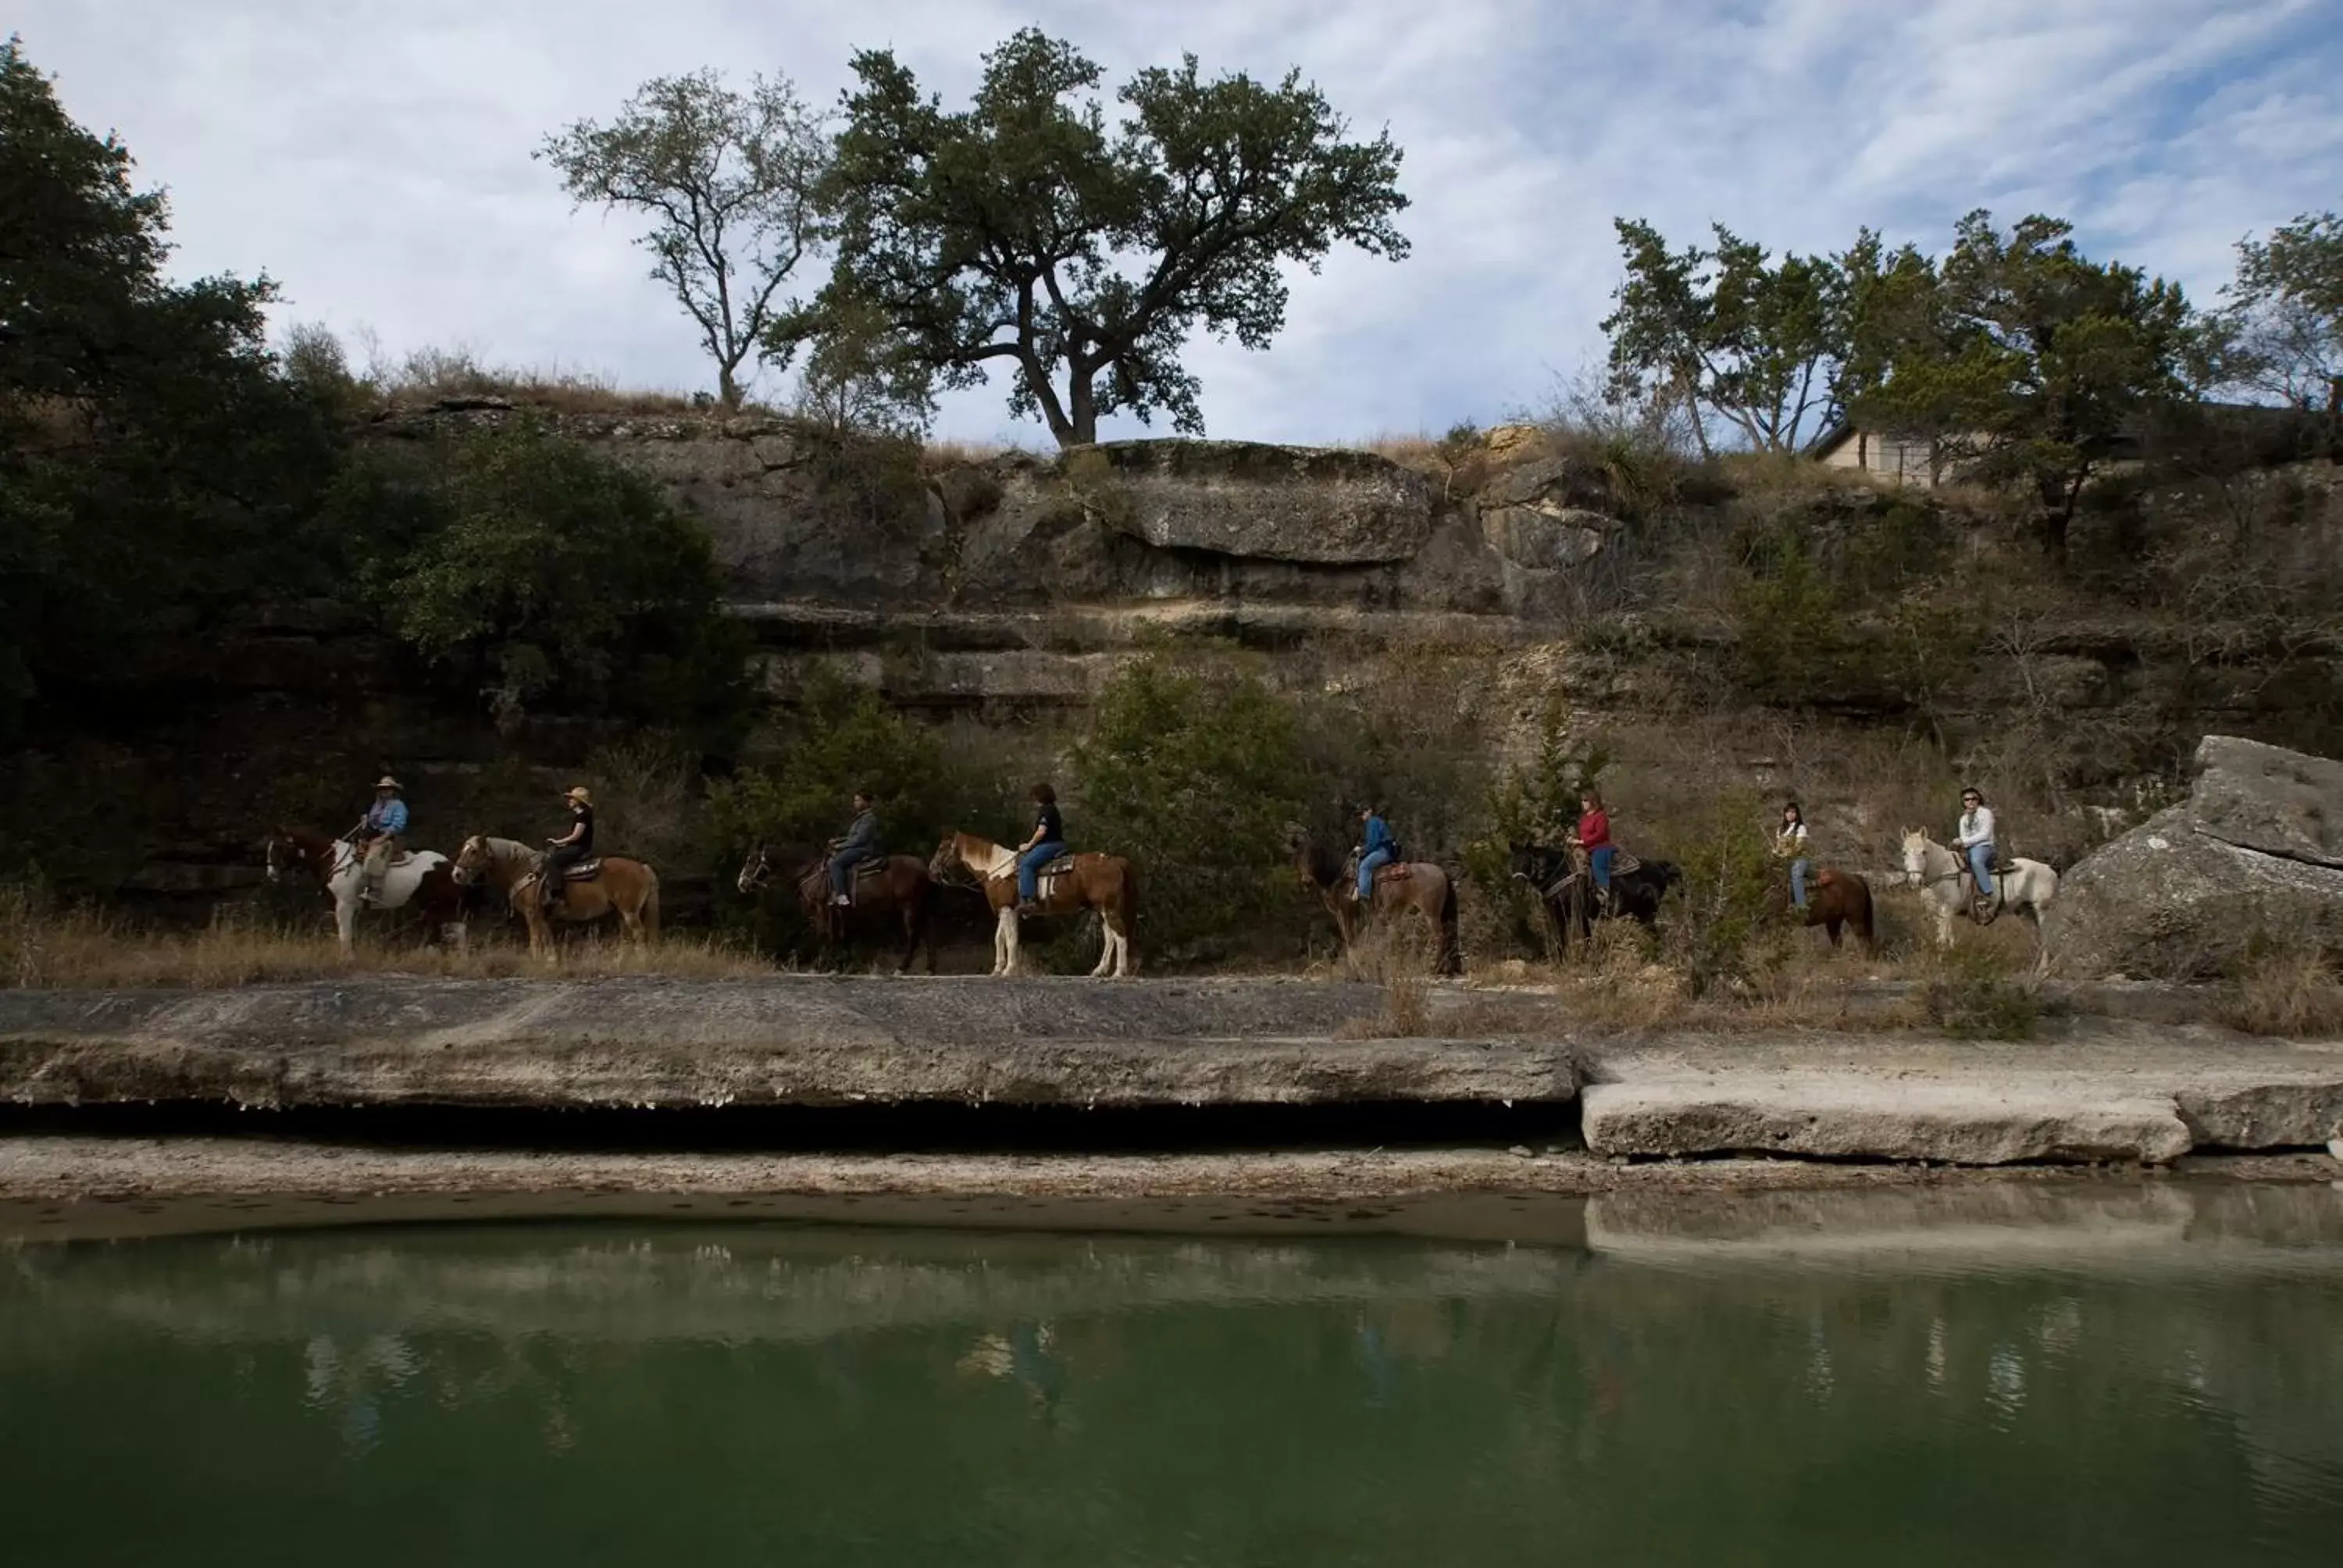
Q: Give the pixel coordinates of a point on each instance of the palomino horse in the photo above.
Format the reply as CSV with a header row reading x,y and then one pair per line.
x,y
1420,888
899,885
628,886
1942,877
1089,881
423,879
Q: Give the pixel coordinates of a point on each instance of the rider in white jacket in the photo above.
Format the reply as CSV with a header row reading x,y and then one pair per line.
x,y
1975,840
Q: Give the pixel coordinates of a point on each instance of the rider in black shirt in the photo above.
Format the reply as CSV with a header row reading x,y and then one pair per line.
x,y
571,847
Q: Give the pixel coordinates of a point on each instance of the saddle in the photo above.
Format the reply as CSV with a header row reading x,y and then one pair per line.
x,y
583,872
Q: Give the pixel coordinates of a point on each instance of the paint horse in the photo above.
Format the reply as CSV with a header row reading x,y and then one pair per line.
x,y
1068,885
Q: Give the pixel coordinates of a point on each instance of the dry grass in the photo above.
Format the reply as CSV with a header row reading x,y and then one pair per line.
x,y
40,947
2295,992
937,456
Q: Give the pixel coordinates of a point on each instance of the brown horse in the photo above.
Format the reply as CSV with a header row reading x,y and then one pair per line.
x,y
1410,888
1841,899
899,885
629,887
1091,881
423,879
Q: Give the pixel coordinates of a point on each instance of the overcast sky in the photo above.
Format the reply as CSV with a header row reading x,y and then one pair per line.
x,y
373,156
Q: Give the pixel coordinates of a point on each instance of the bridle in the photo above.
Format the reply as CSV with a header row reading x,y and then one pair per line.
x,y
756,872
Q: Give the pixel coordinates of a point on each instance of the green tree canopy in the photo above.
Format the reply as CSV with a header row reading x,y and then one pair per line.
x,y
1731,333
1195,774
2016,354
152,466
2287,310
1027,229
728,179
550,574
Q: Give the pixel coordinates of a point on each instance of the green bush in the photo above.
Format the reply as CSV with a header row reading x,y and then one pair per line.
x,y
1194,773
1536,802
1723,931
840,738
1971,999
558,576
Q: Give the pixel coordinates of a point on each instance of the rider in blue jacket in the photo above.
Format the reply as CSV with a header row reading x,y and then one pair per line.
x,y
1377,850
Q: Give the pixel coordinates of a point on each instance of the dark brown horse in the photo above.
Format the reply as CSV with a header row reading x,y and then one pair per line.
x,y
1841,899
1106,883
1404,890
897,887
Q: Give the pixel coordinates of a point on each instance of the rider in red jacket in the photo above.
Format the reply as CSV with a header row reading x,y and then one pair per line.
x,y
1593,836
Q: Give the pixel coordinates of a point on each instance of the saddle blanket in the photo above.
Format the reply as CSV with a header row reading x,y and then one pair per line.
x,y
583,872
1397,872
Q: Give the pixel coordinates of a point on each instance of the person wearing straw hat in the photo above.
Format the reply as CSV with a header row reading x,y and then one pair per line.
x,y
378,834
572,846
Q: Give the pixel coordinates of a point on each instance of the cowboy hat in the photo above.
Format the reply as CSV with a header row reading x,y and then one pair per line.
x,y
388,782
578,793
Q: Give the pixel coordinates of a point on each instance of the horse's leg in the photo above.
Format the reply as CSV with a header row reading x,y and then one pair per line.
x,y
1830,925
1106,947
346,919
1004,940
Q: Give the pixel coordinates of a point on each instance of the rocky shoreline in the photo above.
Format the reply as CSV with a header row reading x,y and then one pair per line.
x,y
1190,1054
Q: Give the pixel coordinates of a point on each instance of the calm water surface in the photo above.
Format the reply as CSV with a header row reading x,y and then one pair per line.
x,y
2144,1376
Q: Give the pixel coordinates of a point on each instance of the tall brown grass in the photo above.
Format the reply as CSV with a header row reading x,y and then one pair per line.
x,y
44,947
2293,991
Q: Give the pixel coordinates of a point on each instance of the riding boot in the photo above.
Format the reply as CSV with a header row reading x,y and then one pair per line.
x,y
1027,908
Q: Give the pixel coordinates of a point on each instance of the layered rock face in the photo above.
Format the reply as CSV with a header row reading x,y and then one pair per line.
x,y
2254,853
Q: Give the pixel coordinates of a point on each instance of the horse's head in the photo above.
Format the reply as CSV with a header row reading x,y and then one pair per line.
x,y
1524,861
946,861
472,859
756,871
282,854
1915,857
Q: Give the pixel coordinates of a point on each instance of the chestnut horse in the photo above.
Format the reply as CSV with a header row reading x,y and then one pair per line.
x,y
899,885
423,879
1840,899
628,886
1417,887
1090,881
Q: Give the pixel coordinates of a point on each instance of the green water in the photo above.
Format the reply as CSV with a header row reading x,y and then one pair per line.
x,y
2148,1377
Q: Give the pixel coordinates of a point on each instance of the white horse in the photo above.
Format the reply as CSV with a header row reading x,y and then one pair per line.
x,y
425,878
1941,876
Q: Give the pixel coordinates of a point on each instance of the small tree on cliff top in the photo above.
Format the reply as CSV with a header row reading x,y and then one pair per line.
x,y
729,180
1026,229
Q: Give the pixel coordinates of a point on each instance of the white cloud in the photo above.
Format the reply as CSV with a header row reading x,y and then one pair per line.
x,y
376,158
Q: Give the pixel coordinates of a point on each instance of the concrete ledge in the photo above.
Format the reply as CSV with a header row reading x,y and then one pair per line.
x,y
1838,1117
809,1041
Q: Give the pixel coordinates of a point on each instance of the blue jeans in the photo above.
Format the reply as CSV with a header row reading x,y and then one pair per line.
x,y
1798,869
1369,864
1981,868
1599,858
1029,867
841,869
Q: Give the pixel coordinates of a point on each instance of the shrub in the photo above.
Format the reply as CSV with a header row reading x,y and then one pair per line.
x,y
1972,998
1195,773
557,575
1532,802
842,738
2286,989
1724,932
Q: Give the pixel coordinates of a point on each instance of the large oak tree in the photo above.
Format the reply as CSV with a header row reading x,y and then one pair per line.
x,y
1028,230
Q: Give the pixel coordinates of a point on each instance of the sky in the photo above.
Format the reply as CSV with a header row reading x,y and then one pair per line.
x,y
374,155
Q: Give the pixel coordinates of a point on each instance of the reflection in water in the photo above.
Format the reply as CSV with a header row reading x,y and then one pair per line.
x,y
1913,1381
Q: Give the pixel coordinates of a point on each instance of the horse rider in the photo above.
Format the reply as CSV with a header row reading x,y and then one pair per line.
x,y
1793,844
1593,835
1975,838
1377,848
1047,843
860,844
377,835
572,846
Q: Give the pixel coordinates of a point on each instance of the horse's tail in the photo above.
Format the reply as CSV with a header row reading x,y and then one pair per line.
x,y
1451,942
1862,924
650,912
1129,914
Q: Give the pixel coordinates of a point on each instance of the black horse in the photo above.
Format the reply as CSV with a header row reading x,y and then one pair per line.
x,y
1569,897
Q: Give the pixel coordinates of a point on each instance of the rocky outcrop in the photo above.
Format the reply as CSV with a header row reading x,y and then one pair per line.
x,y
1313,504
2254,854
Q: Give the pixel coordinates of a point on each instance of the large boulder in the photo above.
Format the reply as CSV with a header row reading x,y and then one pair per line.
x,y
1310,505
2253,854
